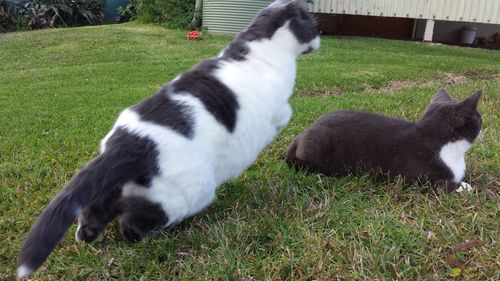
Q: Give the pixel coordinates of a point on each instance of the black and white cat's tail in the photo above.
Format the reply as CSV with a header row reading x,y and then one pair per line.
x,y
104,173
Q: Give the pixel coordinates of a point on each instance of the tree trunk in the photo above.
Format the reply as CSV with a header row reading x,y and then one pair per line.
x,y
196,22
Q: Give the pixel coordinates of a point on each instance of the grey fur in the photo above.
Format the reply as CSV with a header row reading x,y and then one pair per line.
x,y
344,141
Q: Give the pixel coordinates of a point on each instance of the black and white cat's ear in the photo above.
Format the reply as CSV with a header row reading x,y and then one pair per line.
x,y
442,95
282,2
278,3
299,3
472,101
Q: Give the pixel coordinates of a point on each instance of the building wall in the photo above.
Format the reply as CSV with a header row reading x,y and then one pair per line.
x,y
350,25
479,11
230,16
449,32
328,23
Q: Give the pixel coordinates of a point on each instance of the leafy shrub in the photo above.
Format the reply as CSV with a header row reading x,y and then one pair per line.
x,y
8,21
170,13
40,14
37,15
86,11
126,13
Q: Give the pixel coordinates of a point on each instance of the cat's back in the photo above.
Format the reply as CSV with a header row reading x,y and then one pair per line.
x,y
345,138
361,121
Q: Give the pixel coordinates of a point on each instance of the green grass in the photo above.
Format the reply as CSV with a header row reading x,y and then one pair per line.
x,y
61,90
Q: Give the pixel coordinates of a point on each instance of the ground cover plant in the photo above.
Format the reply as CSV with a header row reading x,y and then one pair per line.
x,y
171,13
40,14
61,90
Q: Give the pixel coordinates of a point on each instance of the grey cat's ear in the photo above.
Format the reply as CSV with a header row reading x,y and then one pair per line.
x,y
459,113
472,101
301,3
442,95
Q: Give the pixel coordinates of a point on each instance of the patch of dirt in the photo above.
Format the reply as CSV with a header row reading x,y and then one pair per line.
x,y
396,85
323,91
453,260
452,79
483,74
465,246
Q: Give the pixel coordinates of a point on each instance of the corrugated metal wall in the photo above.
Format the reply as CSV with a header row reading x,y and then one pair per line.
x,y
230,16
481,11
449,31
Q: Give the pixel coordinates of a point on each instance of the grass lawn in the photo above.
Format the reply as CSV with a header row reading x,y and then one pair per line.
x,y
61,90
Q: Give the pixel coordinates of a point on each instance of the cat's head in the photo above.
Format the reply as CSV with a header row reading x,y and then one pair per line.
x,y
289,15
460,117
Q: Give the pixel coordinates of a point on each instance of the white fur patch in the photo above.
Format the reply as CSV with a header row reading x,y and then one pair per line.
x,y
23,271
465,187
190,170
77,239
315,43
453,155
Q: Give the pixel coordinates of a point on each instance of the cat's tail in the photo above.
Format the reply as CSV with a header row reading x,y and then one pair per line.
x,y
291,157
105,172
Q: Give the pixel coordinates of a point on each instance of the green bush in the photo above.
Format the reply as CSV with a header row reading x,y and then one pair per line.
x,y
39,14
56,13
170,13
8,20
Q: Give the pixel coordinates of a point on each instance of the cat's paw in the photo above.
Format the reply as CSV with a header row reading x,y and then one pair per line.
x,y
465,187
86,233
131,233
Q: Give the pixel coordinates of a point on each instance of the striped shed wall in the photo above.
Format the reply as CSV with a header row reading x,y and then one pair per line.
x,y
479,11
230,16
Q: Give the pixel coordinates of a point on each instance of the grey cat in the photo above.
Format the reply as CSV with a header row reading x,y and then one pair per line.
x,y
432,148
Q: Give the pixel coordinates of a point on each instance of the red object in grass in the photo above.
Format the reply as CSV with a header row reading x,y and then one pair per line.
x,y
194,35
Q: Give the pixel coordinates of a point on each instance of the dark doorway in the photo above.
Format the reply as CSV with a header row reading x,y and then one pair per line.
x,y
369,26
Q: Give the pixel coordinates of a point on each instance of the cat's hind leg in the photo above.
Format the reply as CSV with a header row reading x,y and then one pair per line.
x,y
282,117
96,216
140,217
168,200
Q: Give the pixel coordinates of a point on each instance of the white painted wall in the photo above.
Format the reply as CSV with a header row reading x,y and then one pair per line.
x,y
478,11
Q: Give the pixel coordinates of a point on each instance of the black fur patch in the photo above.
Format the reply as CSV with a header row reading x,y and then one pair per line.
x,y
303,27
127,157
162,110
217,98
141,154
97,215
237,51
208,65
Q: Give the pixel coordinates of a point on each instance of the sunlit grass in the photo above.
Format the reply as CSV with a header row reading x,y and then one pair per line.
x,y
61,90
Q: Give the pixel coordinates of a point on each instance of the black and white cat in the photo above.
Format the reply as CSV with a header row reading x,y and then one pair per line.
x,y
164,157
432,148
